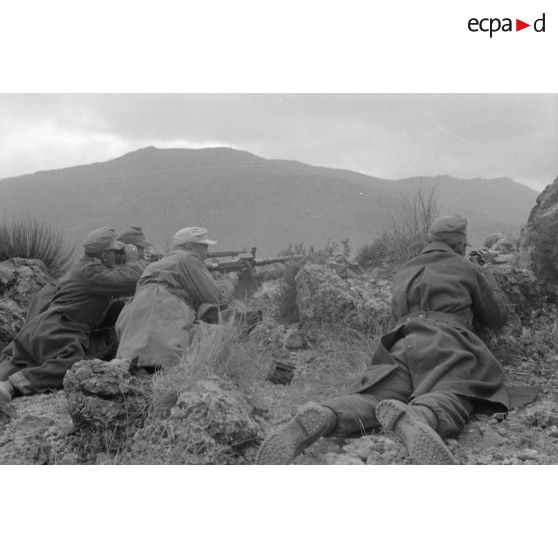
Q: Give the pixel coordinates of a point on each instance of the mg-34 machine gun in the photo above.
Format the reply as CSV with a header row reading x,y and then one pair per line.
x,y
244,263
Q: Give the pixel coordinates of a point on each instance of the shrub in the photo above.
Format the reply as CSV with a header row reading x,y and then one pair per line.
x,y
406,233
28,238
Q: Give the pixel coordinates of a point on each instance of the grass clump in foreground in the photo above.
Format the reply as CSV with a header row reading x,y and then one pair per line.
x,y
213,433
219,351
25,237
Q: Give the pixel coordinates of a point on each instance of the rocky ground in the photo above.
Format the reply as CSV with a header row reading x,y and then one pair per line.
x,y
218,420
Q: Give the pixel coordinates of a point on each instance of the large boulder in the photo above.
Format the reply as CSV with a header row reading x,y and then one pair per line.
x,y
211,422
538,245
527,311
20,279
360,302
107,403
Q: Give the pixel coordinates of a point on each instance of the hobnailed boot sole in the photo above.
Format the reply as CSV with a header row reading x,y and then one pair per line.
x,y
311,422
423,443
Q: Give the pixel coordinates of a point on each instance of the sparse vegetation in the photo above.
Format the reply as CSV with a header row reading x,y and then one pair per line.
x,y
220,351
287,294
24,237
406,233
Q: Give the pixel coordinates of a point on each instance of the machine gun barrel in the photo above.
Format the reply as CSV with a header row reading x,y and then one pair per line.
x,y
246,263
227,254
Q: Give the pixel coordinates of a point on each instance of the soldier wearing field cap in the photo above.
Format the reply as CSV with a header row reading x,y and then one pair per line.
x,y
57,337
429,371
135,236
157,326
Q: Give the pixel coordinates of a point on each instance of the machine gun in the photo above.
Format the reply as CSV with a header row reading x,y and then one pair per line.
x,y
241,263
245,266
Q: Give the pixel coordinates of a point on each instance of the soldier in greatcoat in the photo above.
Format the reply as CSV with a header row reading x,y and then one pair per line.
x,y
427,373
53,340
158,325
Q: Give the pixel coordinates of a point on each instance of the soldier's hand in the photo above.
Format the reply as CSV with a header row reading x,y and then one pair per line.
x,y
477,256
130,253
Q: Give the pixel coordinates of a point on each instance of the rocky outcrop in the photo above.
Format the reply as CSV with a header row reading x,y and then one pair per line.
x,y
210,423
12,317
527,312
359,302
538,243
107,404
522,290
36,431
20,279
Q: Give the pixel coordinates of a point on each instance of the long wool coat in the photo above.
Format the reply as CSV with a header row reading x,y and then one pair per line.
x,y
437,296
49,343
158,324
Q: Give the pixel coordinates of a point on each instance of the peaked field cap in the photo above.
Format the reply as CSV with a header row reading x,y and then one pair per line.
x,y
196,235
135,236
101,240
451,228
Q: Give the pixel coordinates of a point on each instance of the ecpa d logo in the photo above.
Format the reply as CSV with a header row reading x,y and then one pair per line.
x,y
493,25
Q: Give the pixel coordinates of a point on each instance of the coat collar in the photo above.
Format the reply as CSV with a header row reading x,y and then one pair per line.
x,y
437,246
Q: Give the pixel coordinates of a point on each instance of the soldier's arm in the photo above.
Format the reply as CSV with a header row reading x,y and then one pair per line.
x,y
119,280
206,290
489,302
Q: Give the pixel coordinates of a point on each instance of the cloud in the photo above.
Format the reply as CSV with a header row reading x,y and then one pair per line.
x,y
384,135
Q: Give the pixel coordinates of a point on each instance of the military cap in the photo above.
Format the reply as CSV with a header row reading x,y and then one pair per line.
x,y
451,228
101,240
195,235
135,236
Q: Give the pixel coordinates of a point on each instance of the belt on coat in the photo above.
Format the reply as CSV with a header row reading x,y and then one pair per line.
x,y
443,317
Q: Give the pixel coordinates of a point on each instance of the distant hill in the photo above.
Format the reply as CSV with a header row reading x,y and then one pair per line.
x,y
245,200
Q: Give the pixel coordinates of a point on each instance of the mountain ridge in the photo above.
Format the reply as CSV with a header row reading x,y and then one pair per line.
x,y
247,200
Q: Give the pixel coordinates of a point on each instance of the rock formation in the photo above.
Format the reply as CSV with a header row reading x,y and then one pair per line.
x,y
538,243
107,404
20,279
360,302
211,422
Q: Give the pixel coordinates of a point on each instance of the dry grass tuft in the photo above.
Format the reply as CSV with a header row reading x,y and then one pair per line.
x,y
28,238
218,351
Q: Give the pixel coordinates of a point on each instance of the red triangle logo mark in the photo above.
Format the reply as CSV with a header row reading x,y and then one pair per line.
x,y
519,25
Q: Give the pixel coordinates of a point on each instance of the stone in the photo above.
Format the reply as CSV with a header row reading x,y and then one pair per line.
x,y
12,317
294,339
360,303
538,246
107,404
25,441
20,279
211,422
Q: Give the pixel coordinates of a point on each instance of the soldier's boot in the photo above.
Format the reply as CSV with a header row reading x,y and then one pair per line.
x,y
311,422
423,443
7,391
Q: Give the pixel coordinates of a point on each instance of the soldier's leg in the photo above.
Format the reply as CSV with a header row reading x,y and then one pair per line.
x,y
450,411
346,414
356,412
424,421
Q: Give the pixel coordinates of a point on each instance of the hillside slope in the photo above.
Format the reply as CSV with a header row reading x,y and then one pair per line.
x,y
245,200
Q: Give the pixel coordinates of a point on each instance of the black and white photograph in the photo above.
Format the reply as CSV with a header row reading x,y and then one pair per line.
x,y
248,251
183,272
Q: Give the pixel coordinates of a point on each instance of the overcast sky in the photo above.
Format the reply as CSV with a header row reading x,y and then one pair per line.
x,y
383,135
